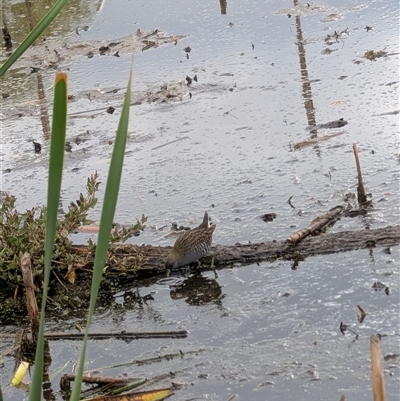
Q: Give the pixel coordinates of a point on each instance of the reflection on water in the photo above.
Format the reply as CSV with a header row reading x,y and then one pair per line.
x,y
22,16
198,290
307,92
263,331
223,4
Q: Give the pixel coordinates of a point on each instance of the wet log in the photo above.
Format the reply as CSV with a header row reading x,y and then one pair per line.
x,y
141,261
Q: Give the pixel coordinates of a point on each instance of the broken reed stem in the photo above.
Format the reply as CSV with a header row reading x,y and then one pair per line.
x,y
31,304
362,198
378,381
317,224
100,380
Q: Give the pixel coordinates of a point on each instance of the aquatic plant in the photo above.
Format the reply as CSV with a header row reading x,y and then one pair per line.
x,y
51,220
25,232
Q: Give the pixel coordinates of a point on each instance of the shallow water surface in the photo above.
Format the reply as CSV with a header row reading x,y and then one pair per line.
x,y
262,332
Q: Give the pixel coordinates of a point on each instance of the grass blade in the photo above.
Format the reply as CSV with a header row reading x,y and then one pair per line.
x,y
37,31
57,145
107,217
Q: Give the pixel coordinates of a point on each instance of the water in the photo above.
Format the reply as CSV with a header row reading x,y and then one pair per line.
x,y
267,331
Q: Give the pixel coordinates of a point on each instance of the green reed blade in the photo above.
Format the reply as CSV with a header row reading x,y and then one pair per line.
x,y
57,145
36,32
107,217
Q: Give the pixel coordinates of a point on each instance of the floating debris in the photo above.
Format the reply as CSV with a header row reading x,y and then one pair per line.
x,y
378,286
103,50
336,36
313,141
38,147
373,55
149,45
344,327
267,217
362,315
331,124
6,37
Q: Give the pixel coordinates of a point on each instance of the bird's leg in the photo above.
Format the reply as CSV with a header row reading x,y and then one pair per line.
x,y
212,265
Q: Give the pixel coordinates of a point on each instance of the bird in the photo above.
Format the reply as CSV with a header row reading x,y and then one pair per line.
x,y
191,245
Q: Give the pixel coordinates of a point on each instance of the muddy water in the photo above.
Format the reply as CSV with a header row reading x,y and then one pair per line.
x,y
266,331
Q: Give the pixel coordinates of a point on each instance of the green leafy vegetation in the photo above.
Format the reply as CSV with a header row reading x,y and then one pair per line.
x,y
25,232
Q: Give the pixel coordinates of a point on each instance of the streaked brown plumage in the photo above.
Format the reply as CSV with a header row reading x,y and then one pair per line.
x,y
191,245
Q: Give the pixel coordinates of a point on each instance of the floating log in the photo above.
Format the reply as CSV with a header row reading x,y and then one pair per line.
x,y
141,261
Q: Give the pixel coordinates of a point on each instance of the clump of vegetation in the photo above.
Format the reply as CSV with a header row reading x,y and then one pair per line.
x,y
26,232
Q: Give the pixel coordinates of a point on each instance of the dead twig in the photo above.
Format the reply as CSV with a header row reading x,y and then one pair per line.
x,y
313,141
290,202
123,336
316,225
362,315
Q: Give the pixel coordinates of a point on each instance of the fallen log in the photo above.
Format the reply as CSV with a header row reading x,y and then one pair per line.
x,y
141,261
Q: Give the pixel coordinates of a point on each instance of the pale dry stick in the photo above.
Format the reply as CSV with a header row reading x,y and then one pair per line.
x,y
360,187
378,381
31,304
313,141
317,224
